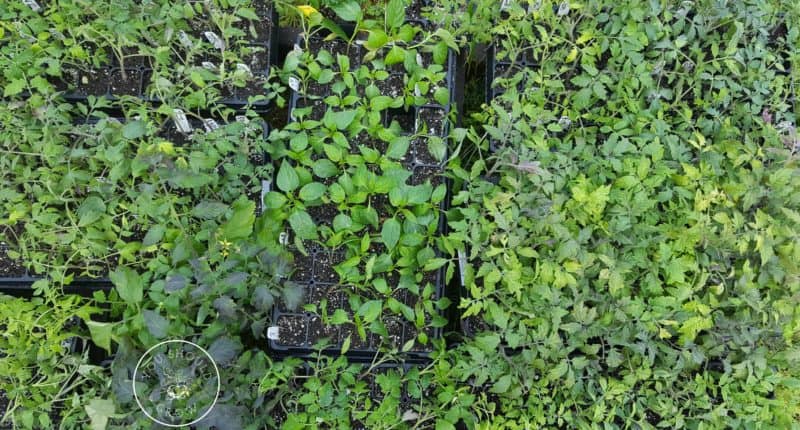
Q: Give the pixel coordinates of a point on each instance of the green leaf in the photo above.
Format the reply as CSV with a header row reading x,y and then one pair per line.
x,y
208,209
128,283
325,168
99,412
101,334
154,235
442,96
133,130
287,179
371,310
224,350
398,147
312,191
396,55
348,10
376,40
341,119
14,87
391,233
303,225
156,324
241,222
395,13
90,210
502,385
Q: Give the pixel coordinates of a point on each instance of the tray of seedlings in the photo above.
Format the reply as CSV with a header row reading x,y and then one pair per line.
x,y
110,233
378,392
205,52
41,334
360,184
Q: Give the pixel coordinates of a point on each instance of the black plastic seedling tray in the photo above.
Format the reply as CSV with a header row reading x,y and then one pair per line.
x,y
320,281
112,81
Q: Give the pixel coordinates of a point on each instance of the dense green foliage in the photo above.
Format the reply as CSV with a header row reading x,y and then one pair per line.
x,y
624,223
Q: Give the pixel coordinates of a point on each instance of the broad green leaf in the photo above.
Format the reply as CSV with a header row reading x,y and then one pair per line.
x,y
133,130
240,224
101,334
390,234
156,324
303,225
376,40
395,13
348,10
312,191
370,310
128,283
287,179
99,412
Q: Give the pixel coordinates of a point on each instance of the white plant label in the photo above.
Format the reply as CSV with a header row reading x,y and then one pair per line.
x,y
181,122
504,5
209,65
244,69
462,264
283,238
184,39
243,119
210,125
294,83
273,333
214,40
266,186
419,58
297,49
33,5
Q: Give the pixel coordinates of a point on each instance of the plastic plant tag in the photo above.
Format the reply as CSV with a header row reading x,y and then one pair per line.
x,y
181,123
33,5
462,267
283,238
210,125
294,83
244,68
273,333
243,119
183,38
563,8
214,40
419,58
209,66
505,4
266,186
417,92
297,49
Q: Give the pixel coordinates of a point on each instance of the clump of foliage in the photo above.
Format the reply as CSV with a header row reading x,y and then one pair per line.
x,y
635,233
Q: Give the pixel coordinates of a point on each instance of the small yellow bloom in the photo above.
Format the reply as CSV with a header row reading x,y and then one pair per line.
x,y
307,10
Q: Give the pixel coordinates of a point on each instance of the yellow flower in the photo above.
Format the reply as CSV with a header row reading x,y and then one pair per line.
x,y
307,10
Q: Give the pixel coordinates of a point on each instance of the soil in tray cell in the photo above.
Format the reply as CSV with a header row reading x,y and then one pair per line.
x,y
323,214
425,173
302,267
404,118
323,266
10,268
432,120
422,153
318,108
92,82
292,330
258,30
337,46
126,84
318,330
393,86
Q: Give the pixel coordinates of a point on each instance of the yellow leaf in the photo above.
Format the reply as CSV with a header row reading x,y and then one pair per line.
x,y
307,10
664,334
584,37
572,55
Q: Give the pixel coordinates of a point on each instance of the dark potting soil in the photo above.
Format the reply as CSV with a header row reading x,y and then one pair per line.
x,y
292,330
128,83
393,86
324,263
259,30
10,268
425,173
431,121
323,214
405,119
337,46
303,267
92,82
318,108
422,155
